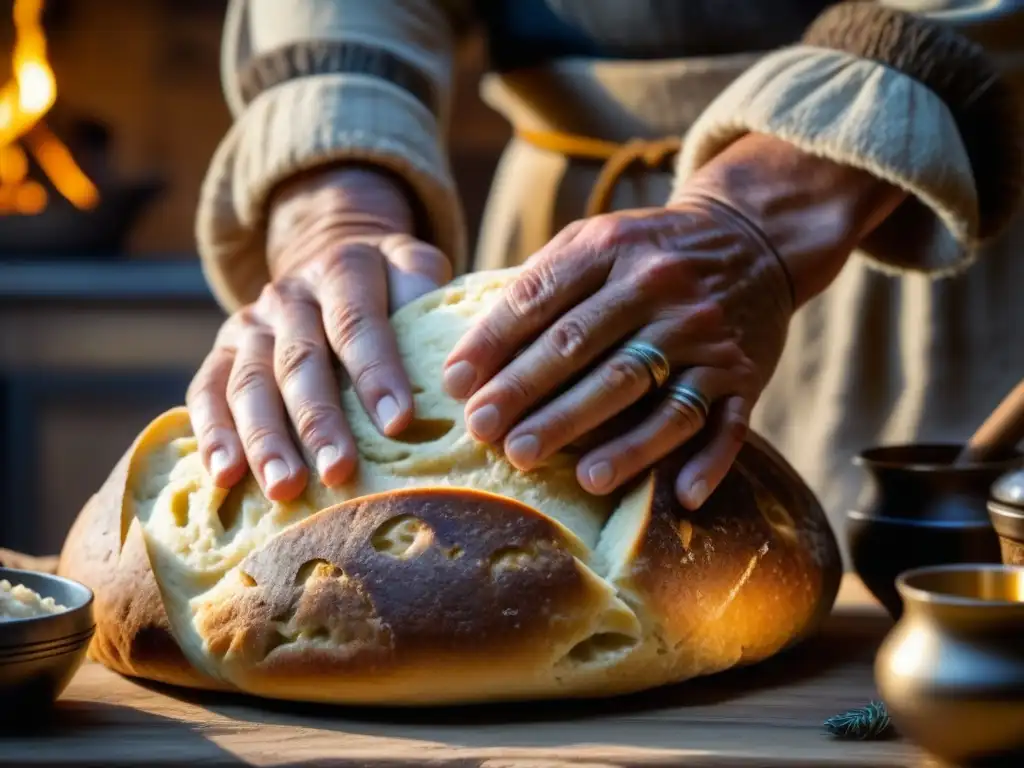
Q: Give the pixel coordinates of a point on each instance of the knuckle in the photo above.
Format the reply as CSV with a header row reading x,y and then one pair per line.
x,y
516,386
346,323
313,421
199,386
683,418
249,377
662,271
209,432
295,356
559,427
568,338
623,372
289,290
347,254
488,339
365,378
270,297
256,438
532,289
605,232
245,318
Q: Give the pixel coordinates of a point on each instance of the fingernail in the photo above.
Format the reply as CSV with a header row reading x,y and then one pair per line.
x,y
523,449
326,458
220,460
459,379
387,411
275,471
601,475
698,492
485,422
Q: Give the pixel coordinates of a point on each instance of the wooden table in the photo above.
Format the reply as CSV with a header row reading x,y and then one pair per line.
x,y
765,716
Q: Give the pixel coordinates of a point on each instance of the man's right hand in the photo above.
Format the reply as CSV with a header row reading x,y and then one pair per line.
x,y
342,257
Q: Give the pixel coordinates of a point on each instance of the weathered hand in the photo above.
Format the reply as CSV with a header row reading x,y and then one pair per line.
x,y
694,279
711,280
342,257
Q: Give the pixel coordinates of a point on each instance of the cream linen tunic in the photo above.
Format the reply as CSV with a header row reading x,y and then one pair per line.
x,y
880,357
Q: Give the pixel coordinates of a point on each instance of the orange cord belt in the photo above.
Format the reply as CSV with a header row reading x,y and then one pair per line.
x,y
653,154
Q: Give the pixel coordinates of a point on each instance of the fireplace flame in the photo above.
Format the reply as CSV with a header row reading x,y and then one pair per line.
x,y
24,101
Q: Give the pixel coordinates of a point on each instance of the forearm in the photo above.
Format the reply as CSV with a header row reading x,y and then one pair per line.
x,y
314,84
813,211
904,98
361,200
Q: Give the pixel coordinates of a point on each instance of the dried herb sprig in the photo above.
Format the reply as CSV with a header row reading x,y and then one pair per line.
x,y
865,723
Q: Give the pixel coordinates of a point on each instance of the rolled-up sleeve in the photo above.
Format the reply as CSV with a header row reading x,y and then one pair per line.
x,y
908,97
315,82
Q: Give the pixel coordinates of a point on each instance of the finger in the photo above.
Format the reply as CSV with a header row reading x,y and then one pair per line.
x,y
353,297
703,473
571,345
414,268
260,417
670,425
542,291
617,385
212,423
309,388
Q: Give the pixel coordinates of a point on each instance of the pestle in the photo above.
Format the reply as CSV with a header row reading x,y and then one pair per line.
x,y
1000,432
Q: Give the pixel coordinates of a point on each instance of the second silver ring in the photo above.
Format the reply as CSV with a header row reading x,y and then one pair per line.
x,y
690,397
652,358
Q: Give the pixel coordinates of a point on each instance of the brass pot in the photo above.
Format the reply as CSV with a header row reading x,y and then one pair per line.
x,y
1006,511
951,671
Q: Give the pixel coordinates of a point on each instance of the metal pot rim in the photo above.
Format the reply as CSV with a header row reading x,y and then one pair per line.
x,y
912,592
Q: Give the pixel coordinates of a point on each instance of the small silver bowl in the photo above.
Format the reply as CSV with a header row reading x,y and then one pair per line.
x,y
40,655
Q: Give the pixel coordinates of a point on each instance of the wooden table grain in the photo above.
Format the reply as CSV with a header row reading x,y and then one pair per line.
x,y
766,716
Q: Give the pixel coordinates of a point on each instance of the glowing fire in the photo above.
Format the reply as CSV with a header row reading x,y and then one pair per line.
x,y
24,101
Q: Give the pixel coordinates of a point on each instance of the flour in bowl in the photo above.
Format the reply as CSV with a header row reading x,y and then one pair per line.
x,y
19,602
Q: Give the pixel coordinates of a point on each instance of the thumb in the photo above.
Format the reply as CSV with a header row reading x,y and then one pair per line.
x,y
414,268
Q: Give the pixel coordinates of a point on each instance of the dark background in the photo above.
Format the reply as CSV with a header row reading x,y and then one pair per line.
x,y
95,340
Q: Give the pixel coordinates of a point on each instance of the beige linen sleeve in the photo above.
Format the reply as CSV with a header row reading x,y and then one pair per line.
x,y
315,82
909,98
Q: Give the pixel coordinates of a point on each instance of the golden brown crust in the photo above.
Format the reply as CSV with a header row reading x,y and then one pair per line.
x,y
440,574
386,586
133,636
749,573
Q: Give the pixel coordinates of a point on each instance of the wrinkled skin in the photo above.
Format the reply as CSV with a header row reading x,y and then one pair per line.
x,y
343,257
711,280
689,280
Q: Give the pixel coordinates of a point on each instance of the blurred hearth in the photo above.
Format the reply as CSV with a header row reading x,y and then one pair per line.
x,y
62,199
59,193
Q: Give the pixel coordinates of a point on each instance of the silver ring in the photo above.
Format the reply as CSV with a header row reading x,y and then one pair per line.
x,y
691,398
652,358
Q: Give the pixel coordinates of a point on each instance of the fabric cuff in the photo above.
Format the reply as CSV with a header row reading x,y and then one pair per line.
x,y
864,114
299,125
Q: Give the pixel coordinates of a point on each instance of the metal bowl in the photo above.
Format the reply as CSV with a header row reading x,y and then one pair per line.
x,y
923,511
40,655
952,669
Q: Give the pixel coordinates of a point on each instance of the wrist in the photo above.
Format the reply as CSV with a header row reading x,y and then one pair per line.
x,y
812,211
340,201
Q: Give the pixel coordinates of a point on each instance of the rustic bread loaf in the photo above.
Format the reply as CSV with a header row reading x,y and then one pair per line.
x,y
440,573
